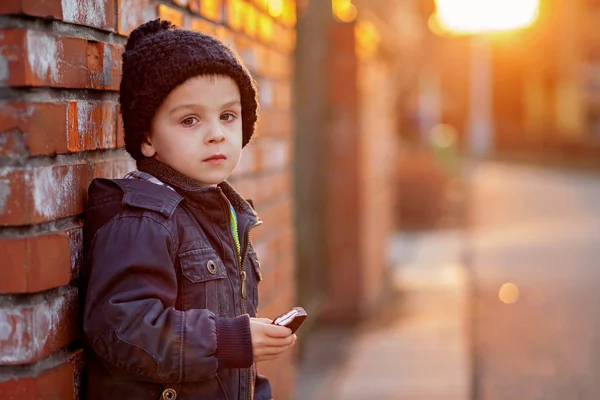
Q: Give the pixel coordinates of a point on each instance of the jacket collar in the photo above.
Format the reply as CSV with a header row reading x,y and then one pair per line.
x,y
144,194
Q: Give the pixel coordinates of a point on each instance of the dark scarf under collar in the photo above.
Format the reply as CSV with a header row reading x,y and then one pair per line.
x,y
189,186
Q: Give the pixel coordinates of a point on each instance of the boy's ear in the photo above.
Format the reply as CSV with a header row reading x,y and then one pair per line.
x,y
148,149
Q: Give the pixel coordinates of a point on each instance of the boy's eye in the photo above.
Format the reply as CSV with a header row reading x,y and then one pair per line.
x,y
227,117
189,121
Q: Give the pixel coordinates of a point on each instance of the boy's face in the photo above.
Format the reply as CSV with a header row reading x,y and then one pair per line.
x,y
197,130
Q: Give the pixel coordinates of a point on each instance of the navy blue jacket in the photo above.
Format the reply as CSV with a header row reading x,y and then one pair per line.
x,y
167,301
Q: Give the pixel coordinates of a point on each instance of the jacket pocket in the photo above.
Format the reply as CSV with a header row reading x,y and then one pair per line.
x,y
204,277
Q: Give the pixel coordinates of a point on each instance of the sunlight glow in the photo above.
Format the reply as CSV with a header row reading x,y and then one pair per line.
x,y
485,16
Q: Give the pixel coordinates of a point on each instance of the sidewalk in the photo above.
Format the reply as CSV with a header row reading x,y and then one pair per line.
x,y
416,349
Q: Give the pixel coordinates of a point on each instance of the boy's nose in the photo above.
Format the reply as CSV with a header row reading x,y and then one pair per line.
x,y
215,135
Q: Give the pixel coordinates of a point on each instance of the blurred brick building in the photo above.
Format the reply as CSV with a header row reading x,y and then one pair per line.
x,y
345,160
544,83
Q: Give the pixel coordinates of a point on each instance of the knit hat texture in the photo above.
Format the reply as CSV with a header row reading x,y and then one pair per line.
x,y
159,57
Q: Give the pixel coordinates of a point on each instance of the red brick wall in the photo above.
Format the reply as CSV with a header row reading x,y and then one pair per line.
x,y
60,128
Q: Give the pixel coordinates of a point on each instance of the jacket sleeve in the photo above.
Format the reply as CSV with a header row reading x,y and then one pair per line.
x,y
130,320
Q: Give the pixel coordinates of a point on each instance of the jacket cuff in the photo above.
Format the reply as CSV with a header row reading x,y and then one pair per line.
x,y
234,342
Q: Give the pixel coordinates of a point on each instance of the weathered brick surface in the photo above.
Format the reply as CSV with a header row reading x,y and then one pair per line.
x,y
57,128
41,194
32,331
96,13
58,381
60,127
35,264
38,58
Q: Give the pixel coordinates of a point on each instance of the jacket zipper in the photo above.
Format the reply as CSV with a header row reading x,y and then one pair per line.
x,y
243,292
244,295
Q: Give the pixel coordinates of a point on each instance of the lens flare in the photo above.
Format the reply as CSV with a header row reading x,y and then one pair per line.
x,y
508,293
484,16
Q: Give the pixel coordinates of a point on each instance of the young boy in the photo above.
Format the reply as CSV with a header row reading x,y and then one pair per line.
x,y
172,278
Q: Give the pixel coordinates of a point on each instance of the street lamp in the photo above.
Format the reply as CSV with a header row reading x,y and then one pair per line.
x,y
477,19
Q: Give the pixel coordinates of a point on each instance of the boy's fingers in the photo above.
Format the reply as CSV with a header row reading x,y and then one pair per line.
x,y
276,331
278,342
263,320
273,351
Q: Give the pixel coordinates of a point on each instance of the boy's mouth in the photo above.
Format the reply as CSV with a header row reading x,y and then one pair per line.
x,y
215,159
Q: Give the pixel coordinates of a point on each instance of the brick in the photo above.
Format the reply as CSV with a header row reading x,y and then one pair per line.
x,y
32,332
91,125
260,58
275,123
212,10
284,38
104,65
32,195
13,252
97,13
279,65
11,144
199,25
275,214
59,128
247,164
59,381
234,13
275,185
41,59
283,95
52,61
34,264
113,168
132,13
250,21
251,53
266,92
289,13
170,14
275,154
34,8
265,27
41,126
256,189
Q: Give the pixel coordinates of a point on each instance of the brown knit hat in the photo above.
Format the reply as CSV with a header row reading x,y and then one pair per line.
x,y
159,57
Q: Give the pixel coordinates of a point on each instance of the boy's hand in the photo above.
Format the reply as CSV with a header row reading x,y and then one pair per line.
x,y
268,340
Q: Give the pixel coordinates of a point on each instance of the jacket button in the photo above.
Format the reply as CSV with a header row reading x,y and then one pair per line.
x,y
169,394
212,267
